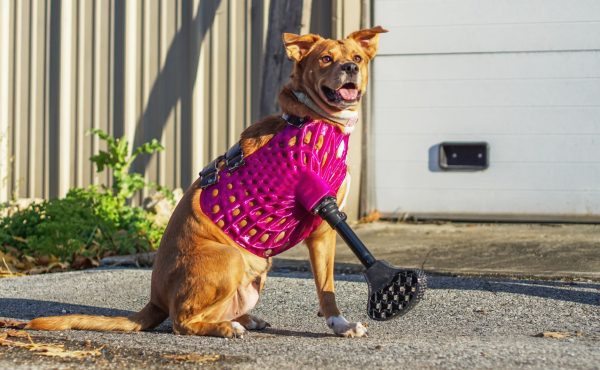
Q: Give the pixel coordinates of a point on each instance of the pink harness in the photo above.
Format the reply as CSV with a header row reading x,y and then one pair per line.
x,y
265,204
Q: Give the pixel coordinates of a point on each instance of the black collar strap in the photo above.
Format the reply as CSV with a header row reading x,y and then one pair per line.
x,y
294,120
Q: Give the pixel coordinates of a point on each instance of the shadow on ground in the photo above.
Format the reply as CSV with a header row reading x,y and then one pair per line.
x,y
560,291
555,290
27,309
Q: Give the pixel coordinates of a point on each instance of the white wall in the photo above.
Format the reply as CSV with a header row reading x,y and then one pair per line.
x,y
522,75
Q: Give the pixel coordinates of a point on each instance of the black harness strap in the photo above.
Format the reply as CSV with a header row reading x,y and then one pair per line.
x,y
295,120
234,159
210,174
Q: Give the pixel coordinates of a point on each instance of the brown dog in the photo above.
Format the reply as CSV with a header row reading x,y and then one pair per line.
x,y
205,282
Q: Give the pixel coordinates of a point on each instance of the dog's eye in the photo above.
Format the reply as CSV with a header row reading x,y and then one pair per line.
x,y
357,58
326,59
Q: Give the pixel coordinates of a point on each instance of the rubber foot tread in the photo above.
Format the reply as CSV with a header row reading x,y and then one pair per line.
x,y
398,296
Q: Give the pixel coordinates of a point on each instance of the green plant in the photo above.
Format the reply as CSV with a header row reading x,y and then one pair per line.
x,y
86,222
90,222
118,159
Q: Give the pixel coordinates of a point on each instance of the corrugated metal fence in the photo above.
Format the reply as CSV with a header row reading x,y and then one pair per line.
x,y
184,71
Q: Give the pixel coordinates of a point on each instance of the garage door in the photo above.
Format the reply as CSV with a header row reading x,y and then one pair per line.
x,y
522,76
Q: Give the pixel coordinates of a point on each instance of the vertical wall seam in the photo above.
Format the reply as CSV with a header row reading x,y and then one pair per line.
x,y
93,139
130,109
30,164
110,59
174,146
212,131
66,34
46,105
17,87
229,80
247,61
78,122
4,86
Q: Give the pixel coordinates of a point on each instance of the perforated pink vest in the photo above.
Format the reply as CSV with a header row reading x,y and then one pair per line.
x,y
264,205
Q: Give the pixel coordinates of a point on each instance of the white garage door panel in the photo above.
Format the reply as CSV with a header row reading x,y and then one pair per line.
x,y
468,203
521,75
513,93
492,38
552,65
513,177
451,26
457,12
535,149
477,121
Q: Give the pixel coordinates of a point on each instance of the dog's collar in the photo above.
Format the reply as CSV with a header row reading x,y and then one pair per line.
x,y
346,118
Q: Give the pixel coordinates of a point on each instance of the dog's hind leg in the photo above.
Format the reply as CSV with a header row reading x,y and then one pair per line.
x,y
213,292
251,322
225,329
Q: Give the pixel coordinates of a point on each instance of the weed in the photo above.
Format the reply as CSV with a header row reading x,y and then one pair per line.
x,y
92,222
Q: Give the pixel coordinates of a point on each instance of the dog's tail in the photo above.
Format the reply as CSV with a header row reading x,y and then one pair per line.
x,y
148,318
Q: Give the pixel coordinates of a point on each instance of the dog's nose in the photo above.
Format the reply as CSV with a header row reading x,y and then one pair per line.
x,y
350,68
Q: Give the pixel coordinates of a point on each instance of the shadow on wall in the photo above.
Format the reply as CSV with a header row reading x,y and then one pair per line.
x,y
170,86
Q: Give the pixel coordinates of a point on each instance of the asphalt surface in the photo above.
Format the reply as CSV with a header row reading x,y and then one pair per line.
x,y
482,323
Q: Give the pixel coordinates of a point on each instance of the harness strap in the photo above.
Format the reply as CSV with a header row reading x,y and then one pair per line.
x,y
234,159
210,174
295,120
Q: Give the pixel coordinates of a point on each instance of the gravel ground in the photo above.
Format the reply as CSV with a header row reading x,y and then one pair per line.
x,y
462,323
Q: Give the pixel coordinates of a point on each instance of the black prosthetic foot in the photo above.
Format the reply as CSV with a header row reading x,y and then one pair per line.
x,y
392,291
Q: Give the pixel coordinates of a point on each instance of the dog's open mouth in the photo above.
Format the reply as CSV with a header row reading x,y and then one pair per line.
x,y
348,93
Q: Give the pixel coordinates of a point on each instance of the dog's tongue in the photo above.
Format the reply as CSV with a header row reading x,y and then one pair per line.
x,y
348,94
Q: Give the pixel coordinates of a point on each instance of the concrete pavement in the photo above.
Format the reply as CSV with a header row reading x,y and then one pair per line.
x,y
483,318
483,323
516,250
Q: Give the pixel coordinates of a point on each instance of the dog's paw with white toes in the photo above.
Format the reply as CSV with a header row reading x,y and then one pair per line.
x,y
342,327
238,329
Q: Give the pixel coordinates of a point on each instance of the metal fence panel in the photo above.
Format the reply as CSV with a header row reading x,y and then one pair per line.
x,y
184,71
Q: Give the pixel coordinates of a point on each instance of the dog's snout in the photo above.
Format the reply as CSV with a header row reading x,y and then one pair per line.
x,y
351,68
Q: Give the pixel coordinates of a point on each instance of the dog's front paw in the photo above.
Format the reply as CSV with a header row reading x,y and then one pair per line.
x,y
342,327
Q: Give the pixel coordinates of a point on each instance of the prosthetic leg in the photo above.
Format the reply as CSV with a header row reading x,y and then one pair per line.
x,y
392,291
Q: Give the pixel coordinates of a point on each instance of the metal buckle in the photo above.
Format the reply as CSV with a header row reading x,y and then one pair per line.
x,y
294,120
210,174
234,158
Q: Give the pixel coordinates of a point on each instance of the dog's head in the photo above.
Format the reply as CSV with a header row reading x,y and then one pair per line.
x,y
333,73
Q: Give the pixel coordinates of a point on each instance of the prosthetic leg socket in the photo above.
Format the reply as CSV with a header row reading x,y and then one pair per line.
x,y
392,291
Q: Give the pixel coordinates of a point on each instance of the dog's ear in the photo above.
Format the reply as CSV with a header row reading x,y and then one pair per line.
x,y
368,39
297,46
